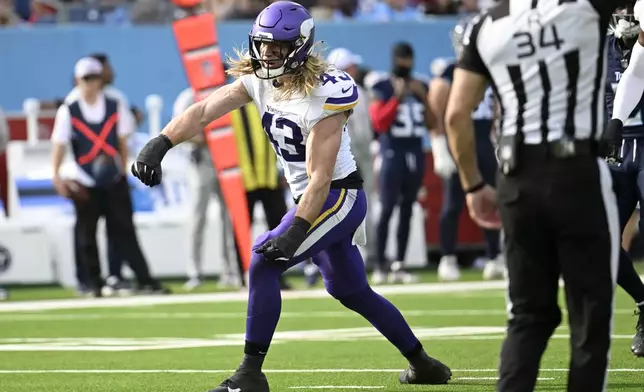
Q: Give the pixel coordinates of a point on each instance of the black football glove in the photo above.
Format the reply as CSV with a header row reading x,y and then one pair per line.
x,y
283,247
147,166
611,143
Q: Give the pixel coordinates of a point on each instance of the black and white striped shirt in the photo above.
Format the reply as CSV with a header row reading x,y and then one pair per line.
x,y
545,61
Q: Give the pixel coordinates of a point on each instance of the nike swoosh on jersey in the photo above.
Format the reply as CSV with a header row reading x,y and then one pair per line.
x,y
345,90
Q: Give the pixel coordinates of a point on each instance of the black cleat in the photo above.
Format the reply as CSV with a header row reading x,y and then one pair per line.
x,y
153,288
637,345
244,381
433,372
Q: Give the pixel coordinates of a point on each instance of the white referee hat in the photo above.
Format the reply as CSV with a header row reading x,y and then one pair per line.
x,y
88,66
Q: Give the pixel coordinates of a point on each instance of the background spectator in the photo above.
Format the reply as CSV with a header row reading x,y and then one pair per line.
x,y
8,16
44,11
392,10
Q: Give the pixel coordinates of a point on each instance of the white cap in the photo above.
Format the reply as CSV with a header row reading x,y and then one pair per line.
x,y
87,66
342,58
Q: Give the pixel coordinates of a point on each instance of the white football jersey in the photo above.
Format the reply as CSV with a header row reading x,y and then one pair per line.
x,y
288,123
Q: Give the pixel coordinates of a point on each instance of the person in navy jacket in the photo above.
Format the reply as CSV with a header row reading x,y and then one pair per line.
x,y
93,127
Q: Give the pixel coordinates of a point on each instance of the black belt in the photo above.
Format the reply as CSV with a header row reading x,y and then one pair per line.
x,y
559,149
513,153
352,181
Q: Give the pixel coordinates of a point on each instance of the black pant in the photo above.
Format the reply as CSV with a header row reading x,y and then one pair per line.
x,y
559,218
401,176
115,205
114,261
274,209
627,189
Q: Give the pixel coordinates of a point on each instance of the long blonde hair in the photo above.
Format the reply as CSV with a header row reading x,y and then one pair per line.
x,y
302,80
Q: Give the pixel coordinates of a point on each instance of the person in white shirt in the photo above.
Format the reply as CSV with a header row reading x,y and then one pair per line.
x,y
204,182
115,283
92,126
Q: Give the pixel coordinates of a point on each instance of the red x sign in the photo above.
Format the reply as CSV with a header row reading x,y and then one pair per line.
x,y
99,141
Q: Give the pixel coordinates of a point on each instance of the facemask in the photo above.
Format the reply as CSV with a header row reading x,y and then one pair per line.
x,y
401,71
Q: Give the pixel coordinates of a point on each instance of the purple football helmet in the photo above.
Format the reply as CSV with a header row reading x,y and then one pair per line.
x,y
287,32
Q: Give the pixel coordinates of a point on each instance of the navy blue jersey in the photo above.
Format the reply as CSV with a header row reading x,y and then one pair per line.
x,y
408,130
634,126
483,116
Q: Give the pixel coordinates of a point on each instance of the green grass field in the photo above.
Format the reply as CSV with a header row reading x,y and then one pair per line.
x,y
192,342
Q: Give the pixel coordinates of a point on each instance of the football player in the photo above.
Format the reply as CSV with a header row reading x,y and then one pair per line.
x,y
624,99
304,105
400,117
453,196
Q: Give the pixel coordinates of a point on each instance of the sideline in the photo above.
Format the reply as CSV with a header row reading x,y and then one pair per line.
x,y
87,303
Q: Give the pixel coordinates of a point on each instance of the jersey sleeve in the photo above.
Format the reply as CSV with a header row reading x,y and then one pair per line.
x,y
250,82
471,57
339,94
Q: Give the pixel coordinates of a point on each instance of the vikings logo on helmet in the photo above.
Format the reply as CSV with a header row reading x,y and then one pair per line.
x,y
290,28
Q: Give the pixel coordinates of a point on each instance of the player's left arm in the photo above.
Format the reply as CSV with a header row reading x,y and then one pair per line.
x,y
468,88
322,148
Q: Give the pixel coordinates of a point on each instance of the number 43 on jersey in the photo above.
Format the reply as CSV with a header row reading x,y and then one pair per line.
x,y
286,137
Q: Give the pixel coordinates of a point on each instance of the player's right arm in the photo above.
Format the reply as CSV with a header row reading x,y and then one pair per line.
x,y
198,116
438,95
444,165
147,166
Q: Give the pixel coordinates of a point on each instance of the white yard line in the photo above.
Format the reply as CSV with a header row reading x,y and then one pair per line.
x,y
83,303
458,288
196,371
338,387
237,315
496,378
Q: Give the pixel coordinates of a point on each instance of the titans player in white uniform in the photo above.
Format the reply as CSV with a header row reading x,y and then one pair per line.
x,y
305,106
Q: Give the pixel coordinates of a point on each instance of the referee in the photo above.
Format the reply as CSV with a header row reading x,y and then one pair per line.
x,y
544,59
